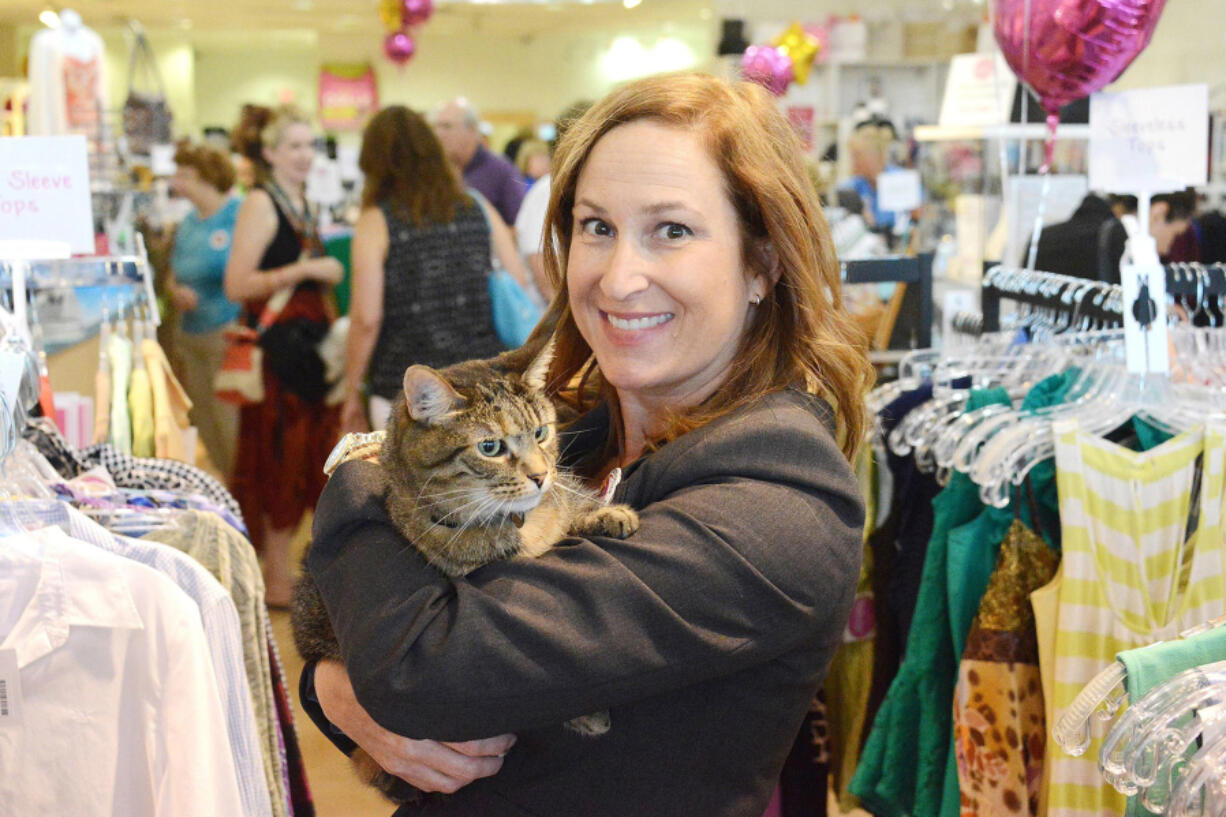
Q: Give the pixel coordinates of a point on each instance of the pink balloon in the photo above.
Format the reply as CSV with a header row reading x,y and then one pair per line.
x,y
417,12
768,67
1068,49
399,47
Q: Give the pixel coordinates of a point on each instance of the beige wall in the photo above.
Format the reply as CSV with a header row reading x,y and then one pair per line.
x,y
209,76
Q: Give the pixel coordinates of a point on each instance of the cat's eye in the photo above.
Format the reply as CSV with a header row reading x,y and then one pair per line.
x,y
542,433
491,448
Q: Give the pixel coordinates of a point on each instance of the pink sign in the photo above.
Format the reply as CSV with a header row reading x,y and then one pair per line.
x,y
801,117
348,96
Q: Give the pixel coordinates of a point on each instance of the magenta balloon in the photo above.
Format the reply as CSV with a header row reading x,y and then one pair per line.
x,y
767,66
416,12
399,47
1068,49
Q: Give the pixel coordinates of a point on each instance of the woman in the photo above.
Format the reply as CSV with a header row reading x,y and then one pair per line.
x,y
868,148
284,440
421,257
699,301
204,177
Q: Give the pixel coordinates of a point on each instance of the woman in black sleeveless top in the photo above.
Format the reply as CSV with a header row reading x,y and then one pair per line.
x,y
284,440
421,259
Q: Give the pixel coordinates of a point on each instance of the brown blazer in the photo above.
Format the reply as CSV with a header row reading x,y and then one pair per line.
x,y
706,634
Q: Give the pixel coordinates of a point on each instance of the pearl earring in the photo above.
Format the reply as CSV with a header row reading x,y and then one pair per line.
x,y
756,299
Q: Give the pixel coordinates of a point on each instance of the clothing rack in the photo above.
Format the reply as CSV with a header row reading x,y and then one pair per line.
x,y
914,270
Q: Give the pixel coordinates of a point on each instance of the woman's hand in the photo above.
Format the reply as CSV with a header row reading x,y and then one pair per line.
x,y
184,298
326,270
425,764
353,415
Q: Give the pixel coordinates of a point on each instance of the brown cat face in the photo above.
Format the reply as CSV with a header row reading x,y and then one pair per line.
x,y
477,444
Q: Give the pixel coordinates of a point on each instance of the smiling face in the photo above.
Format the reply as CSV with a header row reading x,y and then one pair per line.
x,y
291,157
658,286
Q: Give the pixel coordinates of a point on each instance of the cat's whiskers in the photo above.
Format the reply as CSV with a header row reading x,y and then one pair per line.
x,y
464,523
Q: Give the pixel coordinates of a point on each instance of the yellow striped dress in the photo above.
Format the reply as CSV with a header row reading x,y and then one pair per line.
x,y
1130,575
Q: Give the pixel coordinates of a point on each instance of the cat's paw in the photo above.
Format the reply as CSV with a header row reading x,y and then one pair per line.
x,y
591,726
618,521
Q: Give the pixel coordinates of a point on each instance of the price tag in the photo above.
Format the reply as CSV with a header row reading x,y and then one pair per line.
x,y
10,688
1153,139
162,160
899,191
1145,343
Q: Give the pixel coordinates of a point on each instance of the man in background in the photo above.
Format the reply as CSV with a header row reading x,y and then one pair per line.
x,y
459,129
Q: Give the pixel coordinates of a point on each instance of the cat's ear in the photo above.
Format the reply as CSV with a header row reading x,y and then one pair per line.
x,y
428,396
538,370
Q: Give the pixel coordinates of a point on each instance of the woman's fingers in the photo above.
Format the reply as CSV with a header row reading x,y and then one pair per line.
x,y
489,747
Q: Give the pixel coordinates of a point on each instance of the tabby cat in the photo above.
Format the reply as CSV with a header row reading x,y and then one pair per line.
x,y
470,458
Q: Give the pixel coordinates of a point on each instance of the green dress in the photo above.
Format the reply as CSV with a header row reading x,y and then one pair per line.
x,y
908,766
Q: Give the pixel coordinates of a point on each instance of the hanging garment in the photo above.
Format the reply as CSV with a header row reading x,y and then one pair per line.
x,y
999,729
140,408
91,638
230,558
120,353
222,632
170,405
1132,573
903,766
102,403
300,801
152,473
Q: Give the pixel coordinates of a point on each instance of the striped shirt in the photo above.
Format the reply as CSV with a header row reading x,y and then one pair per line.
x,y
1131,574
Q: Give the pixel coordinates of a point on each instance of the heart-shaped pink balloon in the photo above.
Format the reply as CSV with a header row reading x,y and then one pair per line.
x,y
1068,49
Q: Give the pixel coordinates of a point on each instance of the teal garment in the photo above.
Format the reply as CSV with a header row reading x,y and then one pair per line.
x,y
1152,666
901,768
202,247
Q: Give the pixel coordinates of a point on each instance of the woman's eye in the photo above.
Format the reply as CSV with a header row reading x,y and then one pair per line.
x,y
542,434
673,231
491,448
595,226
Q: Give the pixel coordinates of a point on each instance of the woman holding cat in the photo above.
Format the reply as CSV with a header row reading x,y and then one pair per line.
x,y
702,339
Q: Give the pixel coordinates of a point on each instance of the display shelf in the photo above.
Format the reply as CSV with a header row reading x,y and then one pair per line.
x,y
1014,132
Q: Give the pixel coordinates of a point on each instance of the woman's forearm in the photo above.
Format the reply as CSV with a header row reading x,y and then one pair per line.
x,y
260,284
359,348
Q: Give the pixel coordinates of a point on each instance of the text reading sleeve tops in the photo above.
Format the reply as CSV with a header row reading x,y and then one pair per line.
x,y
1131,574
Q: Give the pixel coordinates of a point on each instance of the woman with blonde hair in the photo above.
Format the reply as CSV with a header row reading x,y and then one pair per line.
x,y
283,440
701,334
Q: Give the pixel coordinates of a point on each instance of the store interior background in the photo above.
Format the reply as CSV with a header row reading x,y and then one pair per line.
x,y
523,63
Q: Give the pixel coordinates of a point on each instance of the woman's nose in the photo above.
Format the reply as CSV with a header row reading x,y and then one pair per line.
x,y
626,273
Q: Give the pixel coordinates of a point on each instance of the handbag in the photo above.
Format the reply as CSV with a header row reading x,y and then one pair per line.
x,y
146,115
515,313
240,380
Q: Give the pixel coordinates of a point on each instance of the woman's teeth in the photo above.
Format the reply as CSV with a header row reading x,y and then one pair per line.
x,y
639,323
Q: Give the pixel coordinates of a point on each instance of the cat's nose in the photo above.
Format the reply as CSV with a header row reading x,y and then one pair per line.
x,y
539,479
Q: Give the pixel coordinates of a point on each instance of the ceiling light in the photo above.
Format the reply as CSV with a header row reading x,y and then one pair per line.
x,y
49,18
185,24
631,3
302,5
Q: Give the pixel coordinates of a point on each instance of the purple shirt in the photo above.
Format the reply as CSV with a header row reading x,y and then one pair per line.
x,y
498,180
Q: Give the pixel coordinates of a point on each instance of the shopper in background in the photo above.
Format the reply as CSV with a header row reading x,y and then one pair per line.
x,y
284,440
459,129
1091,243
868,148
703,337
533,161
421,257
204,176
530,223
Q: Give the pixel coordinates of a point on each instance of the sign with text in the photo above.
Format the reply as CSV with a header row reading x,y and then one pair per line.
x,y
44,190
1154,140
348,96
899,191
978,91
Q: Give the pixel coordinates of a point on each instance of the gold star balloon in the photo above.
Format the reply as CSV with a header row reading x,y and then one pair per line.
x,y
800,47
391,15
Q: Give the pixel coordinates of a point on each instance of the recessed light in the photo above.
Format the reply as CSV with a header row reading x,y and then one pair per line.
x,y
49,18
302,5
630,4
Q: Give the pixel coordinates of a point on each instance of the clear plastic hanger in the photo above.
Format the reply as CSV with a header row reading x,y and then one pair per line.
x,y
1201,789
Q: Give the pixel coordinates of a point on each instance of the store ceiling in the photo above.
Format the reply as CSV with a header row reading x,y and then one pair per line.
x,y
248,18
339,16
